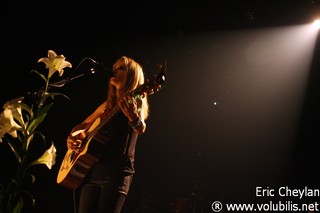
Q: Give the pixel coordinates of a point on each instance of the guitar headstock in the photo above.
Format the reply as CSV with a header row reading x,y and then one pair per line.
x,y
155,83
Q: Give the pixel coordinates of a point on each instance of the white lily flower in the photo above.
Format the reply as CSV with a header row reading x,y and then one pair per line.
x,y
21,120
48,158
15,109
55,63
8,124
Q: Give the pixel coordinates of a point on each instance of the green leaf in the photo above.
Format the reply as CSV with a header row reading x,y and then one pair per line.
x,y
15,152
51,95
41,75
18,207
26,108
39,117
30,138
29,178
24,197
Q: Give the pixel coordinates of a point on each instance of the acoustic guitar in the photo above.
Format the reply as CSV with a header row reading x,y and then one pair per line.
x,y
77,164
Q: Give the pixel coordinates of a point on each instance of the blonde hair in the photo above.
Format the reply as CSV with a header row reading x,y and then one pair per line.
x,y
133,79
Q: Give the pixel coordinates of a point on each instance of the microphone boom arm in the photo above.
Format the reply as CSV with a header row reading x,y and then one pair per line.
x,y
96,64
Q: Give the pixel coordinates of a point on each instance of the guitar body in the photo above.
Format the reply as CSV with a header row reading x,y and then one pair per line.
x,y
76,165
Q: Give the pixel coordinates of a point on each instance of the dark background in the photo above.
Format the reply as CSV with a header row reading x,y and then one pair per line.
x,y
220,126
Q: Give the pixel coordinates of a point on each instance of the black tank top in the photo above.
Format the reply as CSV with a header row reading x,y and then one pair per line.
x,y
118,150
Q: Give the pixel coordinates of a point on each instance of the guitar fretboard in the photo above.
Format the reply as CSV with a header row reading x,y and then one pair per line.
x,y
105,120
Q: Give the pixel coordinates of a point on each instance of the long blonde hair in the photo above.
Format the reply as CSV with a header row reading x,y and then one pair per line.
x,y
133,79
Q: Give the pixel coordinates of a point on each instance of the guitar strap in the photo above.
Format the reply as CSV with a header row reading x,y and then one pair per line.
x,y
106,112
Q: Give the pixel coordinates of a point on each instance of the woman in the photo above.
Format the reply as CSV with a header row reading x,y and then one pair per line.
x,y
107,184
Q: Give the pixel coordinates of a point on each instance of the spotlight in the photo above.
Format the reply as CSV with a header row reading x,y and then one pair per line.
x,y
316,24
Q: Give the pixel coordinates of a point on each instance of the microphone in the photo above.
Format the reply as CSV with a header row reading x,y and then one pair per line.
x,y
99,66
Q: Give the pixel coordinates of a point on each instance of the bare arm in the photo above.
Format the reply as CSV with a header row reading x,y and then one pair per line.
x,y
78,133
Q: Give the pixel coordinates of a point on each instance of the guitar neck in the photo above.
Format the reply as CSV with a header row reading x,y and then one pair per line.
x,y
105,120
146,88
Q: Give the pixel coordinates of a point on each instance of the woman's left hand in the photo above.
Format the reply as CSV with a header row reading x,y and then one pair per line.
x,y
129,107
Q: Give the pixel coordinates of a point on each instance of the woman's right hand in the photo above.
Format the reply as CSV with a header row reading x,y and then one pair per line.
x,y
74,140
73,143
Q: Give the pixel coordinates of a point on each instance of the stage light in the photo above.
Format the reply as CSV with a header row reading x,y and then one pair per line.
x,y
316,24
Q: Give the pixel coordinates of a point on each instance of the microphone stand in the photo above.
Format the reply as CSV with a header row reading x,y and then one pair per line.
x,y
95,66
63,82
